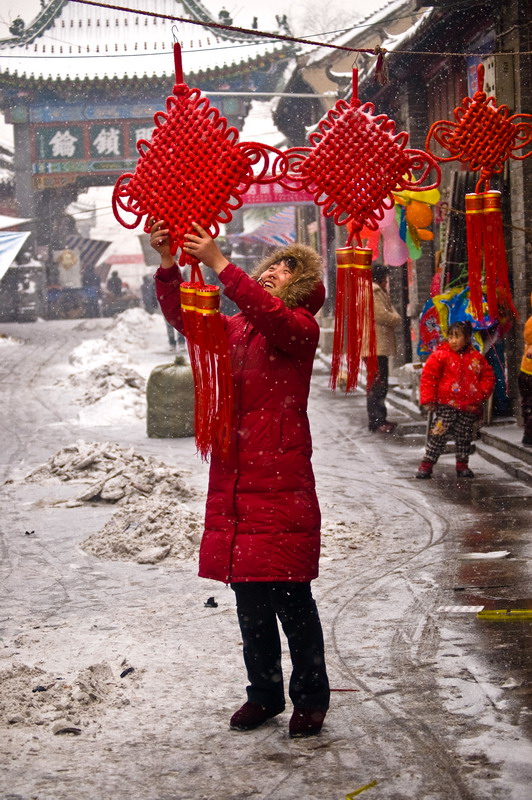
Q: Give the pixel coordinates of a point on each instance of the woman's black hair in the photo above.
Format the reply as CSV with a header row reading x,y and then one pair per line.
x,y
464,327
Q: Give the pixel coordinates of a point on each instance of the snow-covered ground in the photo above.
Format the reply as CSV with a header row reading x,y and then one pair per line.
x,y
118,675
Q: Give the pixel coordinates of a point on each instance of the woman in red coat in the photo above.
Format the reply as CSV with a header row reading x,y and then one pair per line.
x,y
262,520
455,381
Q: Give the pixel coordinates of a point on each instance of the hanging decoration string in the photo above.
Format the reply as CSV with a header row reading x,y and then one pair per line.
x,y
372,51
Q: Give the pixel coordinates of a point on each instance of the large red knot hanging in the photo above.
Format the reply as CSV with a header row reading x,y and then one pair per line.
x,y
484,136
193,169
354,165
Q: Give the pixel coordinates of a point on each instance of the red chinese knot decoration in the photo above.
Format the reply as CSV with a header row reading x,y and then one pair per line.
x,y
484,136
356,162
193,169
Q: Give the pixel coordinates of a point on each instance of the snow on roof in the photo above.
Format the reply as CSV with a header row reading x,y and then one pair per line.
x,y
74,41
362,29
401,40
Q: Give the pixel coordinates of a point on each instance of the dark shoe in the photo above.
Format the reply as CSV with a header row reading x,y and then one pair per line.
x,y
424,470
464,473
386,427
251,716
305,722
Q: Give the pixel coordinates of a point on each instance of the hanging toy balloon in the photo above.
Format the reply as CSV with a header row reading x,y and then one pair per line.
x,y
394,249
418,214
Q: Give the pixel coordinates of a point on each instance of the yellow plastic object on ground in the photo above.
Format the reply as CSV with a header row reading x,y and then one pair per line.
x,y
504,613
361,789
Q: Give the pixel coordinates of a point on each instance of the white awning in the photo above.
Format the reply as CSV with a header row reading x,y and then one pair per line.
x,y
11,222
10,244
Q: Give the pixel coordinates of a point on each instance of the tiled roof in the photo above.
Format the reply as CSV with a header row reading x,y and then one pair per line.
x,y
362,29
69,41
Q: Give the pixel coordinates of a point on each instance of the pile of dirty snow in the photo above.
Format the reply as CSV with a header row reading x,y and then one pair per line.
x,y
30,696
8,341
155,529
153,522
111,390
107,378
129,332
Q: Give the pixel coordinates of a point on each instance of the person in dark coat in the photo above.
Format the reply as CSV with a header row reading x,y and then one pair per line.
x,y
262,520
114,284
387,320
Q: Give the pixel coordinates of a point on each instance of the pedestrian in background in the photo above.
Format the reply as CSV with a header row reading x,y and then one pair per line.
x,y
386,321
262,520
114,284
149,296
455,381
525,383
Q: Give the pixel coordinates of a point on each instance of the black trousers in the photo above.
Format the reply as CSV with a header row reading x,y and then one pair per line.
x,y
525,389
376,396
258,606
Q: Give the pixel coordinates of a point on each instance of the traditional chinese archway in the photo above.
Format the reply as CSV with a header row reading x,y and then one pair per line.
x,y
93,82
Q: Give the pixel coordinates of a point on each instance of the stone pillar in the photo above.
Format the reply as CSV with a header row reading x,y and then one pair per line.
x,y
24,193
514,36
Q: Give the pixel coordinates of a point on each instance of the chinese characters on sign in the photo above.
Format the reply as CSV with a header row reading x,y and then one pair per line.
x,y
85,147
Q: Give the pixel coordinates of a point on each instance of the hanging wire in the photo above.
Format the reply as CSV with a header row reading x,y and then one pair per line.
x,y
283,38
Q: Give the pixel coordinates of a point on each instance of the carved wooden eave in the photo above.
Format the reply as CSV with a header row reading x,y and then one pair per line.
x,y
71,45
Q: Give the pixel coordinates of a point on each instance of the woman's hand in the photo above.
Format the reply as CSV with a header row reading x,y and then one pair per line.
x,y
201,246
160,241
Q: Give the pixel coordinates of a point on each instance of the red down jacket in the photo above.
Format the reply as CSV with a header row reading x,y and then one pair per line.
x,y
262,519
461,380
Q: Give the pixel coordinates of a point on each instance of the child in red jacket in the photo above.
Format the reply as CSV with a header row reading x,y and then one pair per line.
x,y
455,381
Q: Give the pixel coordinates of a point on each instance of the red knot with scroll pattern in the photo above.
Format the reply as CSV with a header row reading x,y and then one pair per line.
x,y
193,169
355,163
483,136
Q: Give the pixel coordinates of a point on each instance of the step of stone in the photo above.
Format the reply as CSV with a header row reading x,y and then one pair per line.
x,y
513,448
507,461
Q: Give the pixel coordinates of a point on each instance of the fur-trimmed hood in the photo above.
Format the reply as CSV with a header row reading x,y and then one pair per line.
x,y
305,288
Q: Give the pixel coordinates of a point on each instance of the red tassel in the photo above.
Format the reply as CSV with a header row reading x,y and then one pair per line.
x,y
475,246
499,294
210,361
217,383
354,317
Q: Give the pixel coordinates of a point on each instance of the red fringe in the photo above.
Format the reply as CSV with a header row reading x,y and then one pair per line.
x,y
354,326
486,248
499,294
208,348
340,311
475,246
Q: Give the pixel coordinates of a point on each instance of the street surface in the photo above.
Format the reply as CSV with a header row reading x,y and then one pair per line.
x,y
429,702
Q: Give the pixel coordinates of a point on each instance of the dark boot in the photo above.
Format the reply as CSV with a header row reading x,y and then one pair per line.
x,y
463,471
251,716
425,470
305,722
